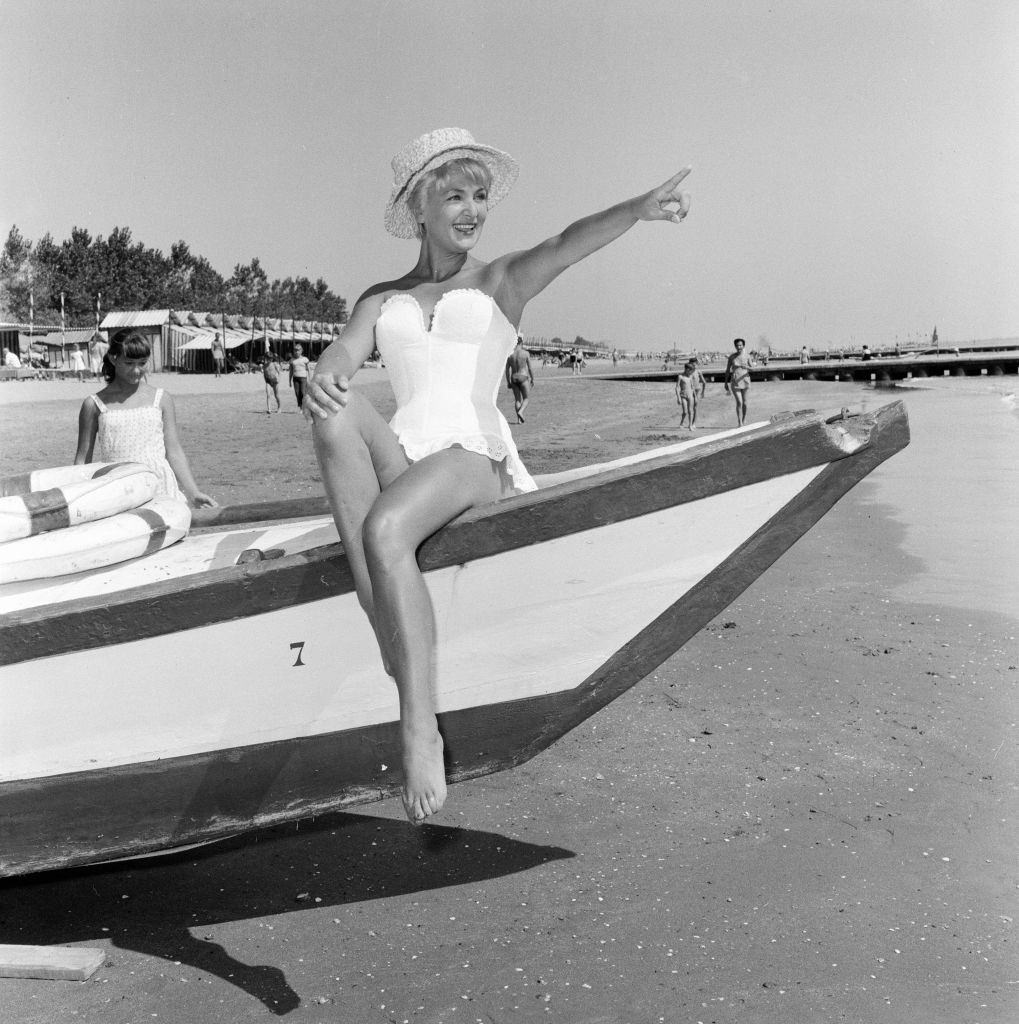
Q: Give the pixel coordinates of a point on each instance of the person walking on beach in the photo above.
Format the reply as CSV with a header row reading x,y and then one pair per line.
x,y
445,329
737,378
78,362
97,350
218,354
520,377
129,421
299,369
271,376
686,392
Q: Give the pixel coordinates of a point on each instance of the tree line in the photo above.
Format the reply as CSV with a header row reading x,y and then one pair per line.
x,y
123,274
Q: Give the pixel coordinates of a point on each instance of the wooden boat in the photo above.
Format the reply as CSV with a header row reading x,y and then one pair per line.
x,y
213,687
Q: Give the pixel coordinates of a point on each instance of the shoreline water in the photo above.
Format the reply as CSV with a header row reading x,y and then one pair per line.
x,y
804,814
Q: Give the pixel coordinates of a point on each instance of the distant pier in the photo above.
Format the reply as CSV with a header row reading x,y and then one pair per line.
x,y
878,369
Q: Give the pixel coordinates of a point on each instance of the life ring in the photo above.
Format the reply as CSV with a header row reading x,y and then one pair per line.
x,y
53,499
94,545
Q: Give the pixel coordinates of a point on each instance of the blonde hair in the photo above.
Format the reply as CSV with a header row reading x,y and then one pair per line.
x,y
440,177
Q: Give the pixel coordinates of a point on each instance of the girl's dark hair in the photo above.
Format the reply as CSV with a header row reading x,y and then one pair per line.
x,y
134,345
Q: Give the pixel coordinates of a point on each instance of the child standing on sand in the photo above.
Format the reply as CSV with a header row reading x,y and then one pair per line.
x,y
133,422
686,393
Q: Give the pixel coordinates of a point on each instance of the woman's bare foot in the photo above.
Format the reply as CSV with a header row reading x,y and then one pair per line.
x,y
424,773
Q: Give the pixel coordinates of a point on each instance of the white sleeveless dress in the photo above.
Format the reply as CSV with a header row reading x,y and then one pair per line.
x,y
446,376
136,435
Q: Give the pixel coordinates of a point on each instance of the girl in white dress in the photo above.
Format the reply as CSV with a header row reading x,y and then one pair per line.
x,y
129,421
444,330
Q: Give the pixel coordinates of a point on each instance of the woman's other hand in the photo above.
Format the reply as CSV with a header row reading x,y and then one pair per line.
x,y
667,202
326,394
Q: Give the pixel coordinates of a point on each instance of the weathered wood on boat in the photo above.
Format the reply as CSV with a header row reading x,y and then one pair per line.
x,y
259,512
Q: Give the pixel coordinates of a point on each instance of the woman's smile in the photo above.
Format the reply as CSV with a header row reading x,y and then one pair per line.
x,y
457,210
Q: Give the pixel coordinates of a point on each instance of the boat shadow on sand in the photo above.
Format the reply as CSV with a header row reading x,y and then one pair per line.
x,y
159,906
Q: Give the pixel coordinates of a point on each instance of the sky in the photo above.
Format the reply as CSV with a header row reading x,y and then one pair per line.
x,y
854,164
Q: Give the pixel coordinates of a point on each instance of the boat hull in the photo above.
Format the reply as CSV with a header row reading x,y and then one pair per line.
x,y
266,703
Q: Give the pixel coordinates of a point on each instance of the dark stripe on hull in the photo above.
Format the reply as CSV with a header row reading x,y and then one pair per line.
x,y
85,817
255,588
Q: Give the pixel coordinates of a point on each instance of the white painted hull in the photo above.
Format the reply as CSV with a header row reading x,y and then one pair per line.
x,y
531,621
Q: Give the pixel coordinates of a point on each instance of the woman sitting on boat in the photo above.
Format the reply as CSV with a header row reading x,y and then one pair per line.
x,y
444,330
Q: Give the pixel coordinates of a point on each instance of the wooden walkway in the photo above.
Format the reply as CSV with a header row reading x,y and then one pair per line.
x,y
878,369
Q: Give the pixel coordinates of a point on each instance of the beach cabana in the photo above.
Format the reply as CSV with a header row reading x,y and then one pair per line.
x,y
153,323
182,339
60,344
192,347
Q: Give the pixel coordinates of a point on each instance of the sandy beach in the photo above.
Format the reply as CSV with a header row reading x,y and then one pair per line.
x,y
807,814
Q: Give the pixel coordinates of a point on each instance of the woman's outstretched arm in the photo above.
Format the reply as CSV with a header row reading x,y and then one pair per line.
x,y
528,272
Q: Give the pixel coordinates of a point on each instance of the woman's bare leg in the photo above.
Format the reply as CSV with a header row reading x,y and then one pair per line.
x,y
426,496
741,410
359,456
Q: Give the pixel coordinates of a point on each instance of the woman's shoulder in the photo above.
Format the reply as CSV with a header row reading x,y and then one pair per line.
x,y
373,298
369,304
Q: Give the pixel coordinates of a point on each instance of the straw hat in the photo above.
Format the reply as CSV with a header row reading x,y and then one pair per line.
x,y
432,150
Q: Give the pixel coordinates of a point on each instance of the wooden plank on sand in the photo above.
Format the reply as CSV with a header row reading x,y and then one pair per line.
x,y
52,963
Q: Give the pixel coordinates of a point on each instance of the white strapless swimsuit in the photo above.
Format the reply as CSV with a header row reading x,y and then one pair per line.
x,y
446,376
